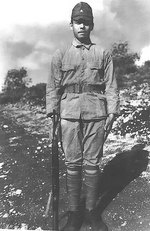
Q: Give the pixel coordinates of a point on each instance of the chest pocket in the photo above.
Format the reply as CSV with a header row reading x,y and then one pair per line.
x,y
97,67
68,72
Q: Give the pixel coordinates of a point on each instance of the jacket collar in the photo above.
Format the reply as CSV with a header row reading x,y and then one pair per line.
x,y
78,44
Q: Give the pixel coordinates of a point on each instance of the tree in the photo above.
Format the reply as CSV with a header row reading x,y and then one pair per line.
x,y
15,84
36,94
142,76
124,62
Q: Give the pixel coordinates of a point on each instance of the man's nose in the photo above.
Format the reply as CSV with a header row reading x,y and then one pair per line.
x,y
82,25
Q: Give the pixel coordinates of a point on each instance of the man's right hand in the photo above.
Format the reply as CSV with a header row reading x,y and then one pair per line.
x,y
57,124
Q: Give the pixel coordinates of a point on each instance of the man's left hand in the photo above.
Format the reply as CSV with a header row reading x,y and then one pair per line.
x,y
108,124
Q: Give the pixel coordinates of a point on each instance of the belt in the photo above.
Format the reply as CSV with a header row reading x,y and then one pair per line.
x,y
77,88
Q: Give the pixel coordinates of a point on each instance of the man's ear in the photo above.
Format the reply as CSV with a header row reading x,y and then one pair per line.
x,y
71,26
92,26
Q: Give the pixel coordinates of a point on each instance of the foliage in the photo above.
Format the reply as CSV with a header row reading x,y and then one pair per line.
x,y
4,98
36,94
124,62
15,85
134,119
143,74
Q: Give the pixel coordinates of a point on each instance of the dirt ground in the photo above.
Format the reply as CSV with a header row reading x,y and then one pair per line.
x,y
25,176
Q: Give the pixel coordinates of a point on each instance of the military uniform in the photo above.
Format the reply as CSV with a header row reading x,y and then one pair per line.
x,y
82,88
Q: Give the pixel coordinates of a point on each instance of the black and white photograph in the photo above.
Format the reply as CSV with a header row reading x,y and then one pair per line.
x,y
75,115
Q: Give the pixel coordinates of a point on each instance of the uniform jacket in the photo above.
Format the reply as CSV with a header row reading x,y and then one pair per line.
x,y
87,65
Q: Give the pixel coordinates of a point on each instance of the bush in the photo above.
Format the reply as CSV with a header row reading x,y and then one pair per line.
x,y
5,99
36,94
134,119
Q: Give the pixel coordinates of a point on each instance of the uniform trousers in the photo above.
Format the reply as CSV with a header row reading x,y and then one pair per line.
x,y
82,141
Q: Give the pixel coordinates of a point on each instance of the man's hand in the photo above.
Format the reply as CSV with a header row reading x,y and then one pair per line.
x,y
108,125
51,115
57,124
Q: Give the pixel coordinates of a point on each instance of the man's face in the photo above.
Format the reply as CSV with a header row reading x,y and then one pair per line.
x,y
82,29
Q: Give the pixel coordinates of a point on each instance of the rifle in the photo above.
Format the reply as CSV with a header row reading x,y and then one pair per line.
x,y
53,199
55,173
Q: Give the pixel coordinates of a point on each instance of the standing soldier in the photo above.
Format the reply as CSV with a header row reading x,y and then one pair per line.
x,y
83,91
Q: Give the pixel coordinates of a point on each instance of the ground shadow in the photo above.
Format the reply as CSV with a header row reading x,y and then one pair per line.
x,y
119,172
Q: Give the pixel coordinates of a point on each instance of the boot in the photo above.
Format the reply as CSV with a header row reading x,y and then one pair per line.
x,y
95,221
74,222
92,180
75,217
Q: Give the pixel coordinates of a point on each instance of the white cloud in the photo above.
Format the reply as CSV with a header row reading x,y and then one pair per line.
x,y
43,12
145,55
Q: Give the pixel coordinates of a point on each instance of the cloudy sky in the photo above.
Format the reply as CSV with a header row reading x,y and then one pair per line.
x,y
31,30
